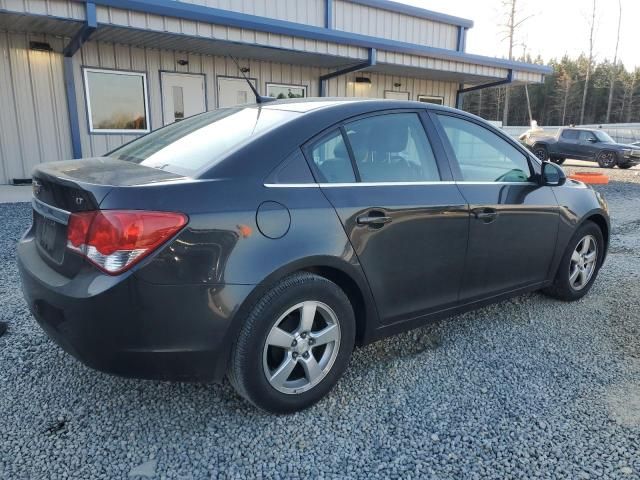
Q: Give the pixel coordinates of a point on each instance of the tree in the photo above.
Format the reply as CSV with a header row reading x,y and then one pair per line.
x,y
511,27
612,81
589,63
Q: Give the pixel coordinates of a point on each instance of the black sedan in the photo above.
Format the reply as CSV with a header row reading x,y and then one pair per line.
x,y
264,242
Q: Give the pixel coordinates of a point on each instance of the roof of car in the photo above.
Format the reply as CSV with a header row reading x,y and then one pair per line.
x,y
304,105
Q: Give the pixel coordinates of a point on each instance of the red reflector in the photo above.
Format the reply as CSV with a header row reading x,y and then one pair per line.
x,y
115,240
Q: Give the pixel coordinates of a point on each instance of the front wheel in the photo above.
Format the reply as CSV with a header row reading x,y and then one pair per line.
x,y
607,159
295,344
580,264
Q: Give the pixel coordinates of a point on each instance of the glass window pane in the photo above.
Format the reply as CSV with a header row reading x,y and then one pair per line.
x,y
332,159
392,148
116,100
202,140
482,155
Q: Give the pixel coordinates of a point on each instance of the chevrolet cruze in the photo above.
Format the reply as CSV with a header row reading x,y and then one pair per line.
x,y
264,242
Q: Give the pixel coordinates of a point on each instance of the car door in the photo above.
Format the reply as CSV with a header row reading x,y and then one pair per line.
x,y
568,145
514,220
588,144
405,217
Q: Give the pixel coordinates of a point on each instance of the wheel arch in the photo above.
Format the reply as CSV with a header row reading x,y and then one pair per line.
x,y
604,226
346,275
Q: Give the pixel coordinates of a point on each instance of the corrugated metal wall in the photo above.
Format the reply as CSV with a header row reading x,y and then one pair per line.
x,y
352,17
152,61
56,8
34,124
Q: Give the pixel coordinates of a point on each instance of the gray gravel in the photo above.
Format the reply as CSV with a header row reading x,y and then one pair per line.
x,y
528,388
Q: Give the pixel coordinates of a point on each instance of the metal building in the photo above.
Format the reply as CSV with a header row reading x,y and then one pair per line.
x,y
79,78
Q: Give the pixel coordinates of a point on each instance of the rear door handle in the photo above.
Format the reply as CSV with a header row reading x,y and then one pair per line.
x,y
487,215
374,218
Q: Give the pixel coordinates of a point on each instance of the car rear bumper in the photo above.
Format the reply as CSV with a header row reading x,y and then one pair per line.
x,y
126,326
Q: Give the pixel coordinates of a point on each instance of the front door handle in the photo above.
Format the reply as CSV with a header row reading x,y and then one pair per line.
x,y
487,215
374,218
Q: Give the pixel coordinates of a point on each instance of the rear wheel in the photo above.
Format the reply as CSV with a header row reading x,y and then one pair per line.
x,y
541,152
295,344
580,264
607,159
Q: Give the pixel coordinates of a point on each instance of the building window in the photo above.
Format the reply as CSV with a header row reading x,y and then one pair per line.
x,y
116,101
277,90
431,99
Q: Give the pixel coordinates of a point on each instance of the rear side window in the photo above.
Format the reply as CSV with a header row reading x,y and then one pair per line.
x,y
570,134
331,157
201,141
482,155
392,148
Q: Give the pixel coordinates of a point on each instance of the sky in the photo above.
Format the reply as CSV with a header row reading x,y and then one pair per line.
x,y
556,27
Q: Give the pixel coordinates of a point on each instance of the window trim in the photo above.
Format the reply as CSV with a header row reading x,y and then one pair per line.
x,y
286,85
430,130
87,96
533,162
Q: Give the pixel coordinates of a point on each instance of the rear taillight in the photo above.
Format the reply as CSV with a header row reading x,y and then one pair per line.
x,y
115,240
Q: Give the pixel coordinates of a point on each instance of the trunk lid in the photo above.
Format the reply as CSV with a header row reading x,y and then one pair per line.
x,y
62,188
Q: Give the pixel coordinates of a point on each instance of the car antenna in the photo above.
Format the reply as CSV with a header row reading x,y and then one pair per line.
x,y
259,98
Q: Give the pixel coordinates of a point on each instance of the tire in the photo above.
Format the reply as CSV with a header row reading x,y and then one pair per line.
x,y
254,360
558,161
563,288
541,152
625,166
607,159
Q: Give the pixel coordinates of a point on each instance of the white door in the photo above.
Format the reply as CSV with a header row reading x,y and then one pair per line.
x,y
182,96
234,91
396,95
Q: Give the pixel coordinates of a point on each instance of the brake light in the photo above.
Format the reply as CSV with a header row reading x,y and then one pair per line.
x,y
115,240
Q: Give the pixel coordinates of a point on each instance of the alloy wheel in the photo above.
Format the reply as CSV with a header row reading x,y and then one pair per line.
x,y
301,347
583,262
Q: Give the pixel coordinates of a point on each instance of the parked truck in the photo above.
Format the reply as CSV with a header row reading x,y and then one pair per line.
x,y
592,145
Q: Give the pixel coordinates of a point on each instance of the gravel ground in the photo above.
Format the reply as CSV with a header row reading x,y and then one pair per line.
x,y
528,388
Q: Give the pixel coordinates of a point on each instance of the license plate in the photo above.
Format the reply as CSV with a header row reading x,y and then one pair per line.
x,y
47,235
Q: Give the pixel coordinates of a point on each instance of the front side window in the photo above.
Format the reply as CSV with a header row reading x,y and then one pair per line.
x,y
392,148
116,101
586,136
331,157
603,136
482,155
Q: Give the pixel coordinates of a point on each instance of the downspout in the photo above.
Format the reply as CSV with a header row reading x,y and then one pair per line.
x,y
328,14
72,47
371,61
462,91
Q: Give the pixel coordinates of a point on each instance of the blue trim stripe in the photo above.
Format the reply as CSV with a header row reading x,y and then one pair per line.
x,y
328,12
199,13
415,12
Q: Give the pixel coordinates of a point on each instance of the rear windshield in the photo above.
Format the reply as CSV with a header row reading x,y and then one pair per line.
x,y
190,145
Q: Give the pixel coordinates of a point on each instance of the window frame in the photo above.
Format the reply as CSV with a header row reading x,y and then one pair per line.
x,y
421,98
286,85
87,96
442,163
533,162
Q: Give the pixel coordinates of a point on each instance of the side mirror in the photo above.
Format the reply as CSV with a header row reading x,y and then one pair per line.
x,y
552,175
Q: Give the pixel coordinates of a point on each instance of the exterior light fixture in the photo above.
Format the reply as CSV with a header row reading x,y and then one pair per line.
x,y
363,81
183,62
40,46
245,69
397,85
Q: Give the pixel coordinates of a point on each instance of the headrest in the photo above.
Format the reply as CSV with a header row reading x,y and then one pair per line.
x,y
340,150
386,136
